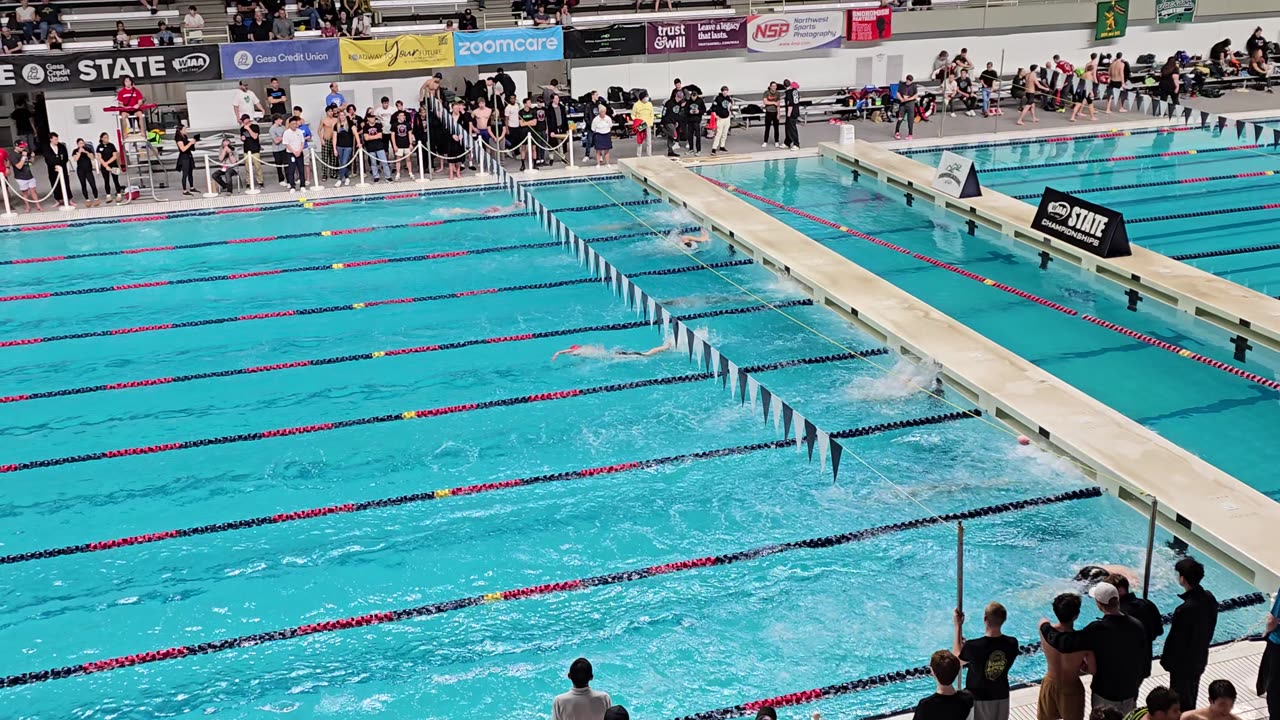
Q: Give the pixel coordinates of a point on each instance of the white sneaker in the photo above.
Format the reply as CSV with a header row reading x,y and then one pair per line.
x,y
777,144
284,184
972,113
337,183
764,144
292,190
347,181
953,114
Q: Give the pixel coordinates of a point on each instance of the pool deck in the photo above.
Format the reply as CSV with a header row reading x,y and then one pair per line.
x,y
1208,508
1222,302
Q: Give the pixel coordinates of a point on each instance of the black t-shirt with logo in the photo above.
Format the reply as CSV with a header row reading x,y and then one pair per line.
x,y
527,115
400,130
540,117
374,144
964,84
945,707
274,100
251,144
989,660
720,106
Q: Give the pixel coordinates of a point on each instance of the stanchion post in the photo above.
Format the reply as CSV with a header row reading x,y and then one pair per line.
x,y
208,180
8,211
357,154
1151,546
315,172
422,170
529,153
248,164
569,140
62,183
960,567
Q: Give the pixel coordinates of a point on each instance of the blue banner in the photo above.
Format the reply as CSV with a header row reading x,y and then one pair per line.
x,y
515,45
280,58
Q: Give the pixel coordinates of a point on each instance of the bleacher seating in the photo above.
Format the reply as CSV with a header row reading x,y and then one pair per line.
x,y
91,24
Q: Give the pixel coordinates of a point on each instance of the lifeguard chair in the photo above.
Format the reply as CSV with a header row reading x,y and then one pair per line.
x,y
138,156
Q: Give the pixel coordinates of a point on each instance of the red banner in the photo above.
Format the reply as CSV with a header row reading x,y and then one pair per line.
x,y
868,25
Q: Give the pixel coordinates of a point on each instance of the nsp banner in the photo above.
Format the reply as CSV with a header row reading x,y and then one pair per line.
x,y
402,52
1097,229
790,32
509,45
609,41
280,58
107,68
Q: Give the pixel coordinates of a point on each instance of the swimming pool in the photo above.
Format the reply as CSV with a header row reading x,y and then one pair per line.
x,y
300,400
1202,196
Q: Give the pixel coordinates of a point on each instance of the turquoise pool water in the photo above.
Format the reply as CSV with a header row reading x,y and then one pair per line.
x,y
666,646
1220,182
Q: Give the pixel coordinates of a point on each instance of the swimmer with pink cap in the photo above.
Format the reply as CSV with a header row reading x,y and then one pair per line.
x,y
586,351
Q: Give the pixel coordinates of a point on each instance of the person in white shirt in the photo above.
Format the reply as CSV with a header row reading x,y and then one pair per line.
x,y
26,16
602,133
384,112
360,26
294,143
193,20
580,703
245,102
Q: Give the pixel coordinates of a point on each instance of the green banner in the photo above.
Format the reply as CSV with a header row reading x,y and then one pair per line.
x,y
1113,19
1175,11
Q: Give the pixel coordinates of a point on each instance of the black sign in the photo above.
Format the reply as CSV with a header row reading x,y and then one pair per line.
x,y
106,68
1081,223
611,41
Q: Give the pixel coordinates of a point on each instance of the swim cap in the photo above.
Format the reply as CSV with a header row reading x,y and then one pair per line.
x,y
575,347
1092,574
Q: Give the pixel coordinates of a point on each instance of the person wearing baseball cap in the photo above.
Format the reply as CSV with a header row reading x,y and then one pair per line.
x,y
1119,645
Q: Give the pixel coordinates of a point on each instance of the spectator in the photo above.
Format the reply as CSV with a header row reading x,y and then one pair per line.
x,y
1117,76
276,133
1162,704
163,36
504,80
1222,700
558,123
121,39
722,110
328,30
307,10
245,102
384,111
941,66
26,16
345,140
642,120
343,25
351,7
671,124
281,26
328,12
1061,692
56,160
945,703
153,6
989,659
334,97
1186,649
82,156
294,144
259,27
1084,89
246,8
988,79
541,18
237,30
375,146
1026,85
1119,646
50,16
226,173
564,19
676,89
1259,68
10,43
53,40
360,26
770,102
24,122
1220,53
908,94
467,21
277,100
656,3
766,712
401,130
695,108
961,61
617,712
448,25
582,702
186,162
22,164
1136,607
109,167
328,153
193,20
1256,42
252,146
791,123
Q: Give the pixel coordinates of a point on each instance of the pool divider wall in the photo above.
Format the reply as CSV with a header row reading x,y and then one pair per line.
x,y
1228,305
1213,511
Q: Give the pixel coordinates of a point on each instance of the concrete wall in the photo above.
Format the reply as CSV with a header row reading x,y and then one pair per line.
x,y
62,119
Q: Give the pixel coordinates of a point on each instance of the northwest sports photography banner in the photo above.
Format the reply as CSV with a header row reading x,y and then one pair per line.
x,y
1112,21
403,52
789,32
1175,11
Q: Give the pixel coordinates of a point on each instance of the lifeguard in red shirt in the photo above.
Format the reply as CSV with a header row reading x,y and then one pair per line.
x,y
131,104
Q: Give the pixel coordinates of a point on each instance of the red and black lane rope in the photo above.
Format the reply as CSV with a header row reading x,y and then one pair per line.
x,y
1044,140
1141,337
295,236
1203,213
133,330
875,681
1118,158
568,475
1160,183
415,350
419,414
625,576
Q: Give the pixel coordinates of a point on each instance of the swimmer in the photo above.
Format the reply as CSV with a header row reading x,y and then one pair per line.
x,y
691,242
1093,574
491,210
699,301
585,351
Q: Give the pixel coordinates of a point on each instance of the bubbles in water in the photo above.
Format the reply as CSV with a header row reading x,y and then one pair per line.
x,y
672,217
904,379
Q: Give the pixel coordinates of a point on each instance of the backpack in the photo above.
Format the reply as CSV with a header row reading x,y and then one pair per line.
x,y
1211,92
1147,59
615,94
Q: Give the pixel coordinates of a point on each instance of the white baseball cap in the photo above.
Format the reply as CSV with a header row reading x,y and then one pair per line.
x,y
1105,593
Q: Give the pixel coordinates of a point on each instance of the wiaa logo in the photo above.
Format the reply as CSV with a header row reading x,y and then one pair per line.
x,y
1059,210
771,30
195,62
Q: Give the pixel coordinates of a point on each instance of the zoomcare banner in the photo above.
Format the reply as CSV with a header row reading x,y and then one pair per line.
x,y
791,32
107,68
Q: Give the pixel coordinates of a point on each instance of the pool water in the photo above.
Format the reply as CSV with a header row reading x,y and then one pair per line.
x,y
667,645
1225,177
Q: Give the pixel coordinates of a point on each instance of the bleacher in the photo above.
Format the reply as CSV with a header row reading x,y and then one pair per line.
x,y
91,24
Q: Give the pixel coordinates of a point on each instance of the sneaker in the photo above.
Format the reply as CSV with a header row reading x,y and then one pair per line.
x,y
953,114
908,137
109,200
897,136
713,151
763,144
284,184
777,144
337,183
293,190
671,154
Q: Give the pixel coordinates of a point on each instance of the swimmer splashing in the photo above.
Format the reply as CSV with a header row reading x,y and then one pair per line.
x,y
595,351
491,210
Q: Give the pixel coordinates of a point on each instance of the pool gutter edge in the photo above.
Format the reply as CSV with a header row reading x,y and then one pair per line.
x,y
1243,312
1211,510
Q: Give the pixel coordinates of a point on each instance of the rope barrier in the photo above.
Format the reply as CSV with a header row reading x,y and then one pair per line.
x,y
1203,213
327,426
337,360
1119,158
583,473
1149,340
1223,253
602,177
1160,183
625,576
352,306
875,681
1047,140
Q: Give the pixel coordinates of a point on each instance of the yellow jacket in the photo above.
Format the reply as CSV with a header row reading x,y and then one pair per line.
x,y
644,111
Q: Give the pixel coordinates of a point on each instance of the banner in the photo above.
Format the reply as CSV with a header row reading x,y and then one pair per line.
x,y
790,32
1113,19
611,41
280,58
515,45
1175,11
402,52
1083,224
106,68
696,35
868,25
956,176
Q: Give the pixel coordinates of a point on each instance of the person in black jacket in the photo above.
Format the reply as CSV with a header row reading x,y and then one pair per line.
x,y
1119,646
671,125
1186,650
791,95
505,82
56,159
694,110
1141,608
557,127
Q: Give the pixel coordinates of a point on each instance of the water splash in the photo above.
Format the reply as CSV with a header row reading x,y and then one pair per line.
x,y
904,379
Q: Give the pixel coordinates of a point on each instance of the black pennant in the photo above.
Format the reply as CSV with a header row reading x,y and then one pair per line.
x,y
1172,109
1124,98
786,420
1222,123
810,435
688,340
1186,114
836,451
644,305
1257,133
1275,137
724,372
766,397
742,387
1239,129
1204,118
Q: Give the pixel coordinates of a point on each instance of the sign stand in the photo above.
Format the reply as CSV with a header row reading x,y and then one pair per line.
x,y
956,176
1090,227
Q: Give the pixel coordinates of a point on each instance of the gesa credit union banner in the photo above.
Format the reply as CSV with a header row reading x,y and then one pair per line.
x,y
403,52
791,32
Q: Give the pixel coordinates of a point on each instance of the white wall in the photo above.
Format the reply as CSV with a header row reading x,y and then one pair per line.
x,y
62,118
880,63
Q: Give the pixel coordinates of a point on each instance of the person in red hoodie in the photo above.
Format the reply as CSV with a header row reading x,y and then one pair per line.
x,y
129,101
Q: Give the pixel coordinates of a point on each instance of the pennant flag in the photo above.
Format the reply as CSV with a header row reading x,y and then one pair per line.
x,y
776,408
1126,100
1275,137
753,389
1157,106
666,322
800,422
653,310
689,340
716,359
1172,109
1239,129
810,436
1222,123
824,444
786,420
836,451
700,350
624,288
742,385
1257,133
724,372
